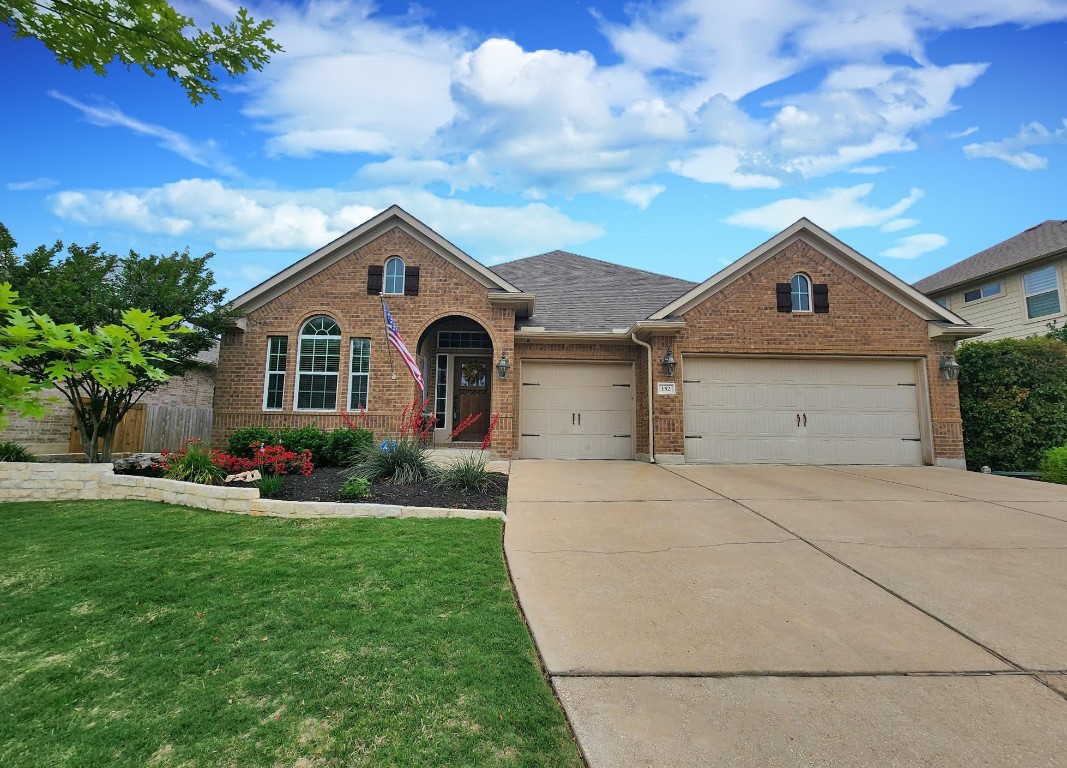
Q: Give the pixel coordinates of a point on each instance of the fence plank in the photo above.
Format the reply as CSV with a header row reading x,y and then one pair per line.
x,y
168,426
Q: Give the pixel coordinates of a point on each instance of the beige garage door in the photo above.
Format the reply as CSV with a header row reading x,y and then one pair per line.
x,y
576,410
752,410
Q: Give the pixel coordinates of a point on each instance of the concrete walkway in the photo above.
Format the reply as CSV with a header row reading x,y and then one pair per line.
x,y
780,616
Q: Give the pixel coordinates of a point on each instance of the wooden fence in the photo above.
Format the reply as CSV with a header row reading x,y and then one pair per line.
x,y
153,428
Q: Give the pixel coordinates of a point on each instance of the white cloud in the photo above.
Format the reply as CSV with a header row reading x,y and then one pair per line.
x,y
642,195
964,133
203,153
1014,150
913,246
833,209
41,182
350,81
721,165
266,219
896,225
868,170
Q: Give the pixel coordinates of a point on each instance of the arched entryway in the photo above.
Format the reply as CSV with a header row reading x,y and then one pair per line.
x,y
457,355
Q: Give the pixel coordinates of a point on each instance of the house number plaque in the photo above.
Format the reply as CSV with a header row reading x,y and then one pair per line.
x,y
664,387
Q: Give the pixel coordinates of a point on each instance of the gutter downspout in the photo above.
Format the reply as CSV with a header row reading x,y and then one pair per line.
x,y
651,416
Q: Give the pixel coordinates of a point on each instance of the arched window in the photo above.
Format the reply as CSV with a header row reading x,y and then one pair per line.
x,y
801,293
394,276
318,364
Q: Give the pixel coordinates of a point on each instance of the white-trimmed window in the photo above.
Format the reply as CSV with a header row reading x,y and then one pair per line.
x,y
359,376
992,289
441,390
318,362
1042,293
394,276
800,293
943,301
274,381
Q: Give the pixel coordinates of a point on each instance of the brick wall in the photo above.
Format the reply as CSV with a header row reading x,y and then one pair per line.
x,y
742,318
340,291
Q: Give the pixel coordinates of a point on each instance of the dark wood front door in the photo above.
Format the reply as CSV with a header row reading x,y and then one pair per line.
x,y
471,387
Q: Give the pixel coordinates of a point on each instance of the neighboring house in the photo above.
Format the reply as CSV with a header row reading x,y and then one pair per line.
x,y
802,351
1014,288
55,432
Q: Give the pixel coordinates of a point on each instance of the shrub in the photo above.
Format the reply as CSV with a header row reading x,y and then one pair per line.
x,y
308,438
355,488
342,444
468,473
15,452
269,485
399,461
1054,465
240,442
268,459
1013,399
194,463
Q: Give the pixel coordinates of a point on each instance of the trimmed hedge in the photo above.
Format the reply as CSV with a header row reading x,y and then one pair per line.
x,y
1013,398
1054,466
331,448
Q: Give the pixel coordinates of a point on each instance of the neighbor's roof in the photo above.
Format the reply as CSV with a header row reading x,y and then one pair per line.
x,y
1035,243
576,293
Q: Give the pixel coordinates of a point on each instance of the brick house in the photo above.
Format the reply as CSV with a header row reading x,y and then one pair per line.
x,y
802,351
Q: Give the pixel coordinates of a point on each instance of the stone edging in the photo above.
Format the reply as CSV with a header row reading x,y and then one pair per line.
x,y
21,481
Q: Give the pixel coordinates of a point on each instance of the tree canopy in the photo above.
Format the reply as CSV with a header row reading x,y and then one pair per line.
x,y
148,33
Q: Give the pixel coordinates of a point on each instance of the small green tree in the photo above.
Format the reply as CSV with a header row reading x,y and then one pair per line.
x,y
1013,399
148,33
92,369
18,392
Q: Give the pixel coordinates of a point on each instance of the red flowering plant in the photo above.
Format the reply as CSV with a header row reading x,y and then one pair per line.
x,y
194,463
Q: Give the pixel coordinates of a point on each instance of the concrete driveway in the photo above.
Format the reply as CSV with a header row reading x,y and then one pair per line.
x,y
766,615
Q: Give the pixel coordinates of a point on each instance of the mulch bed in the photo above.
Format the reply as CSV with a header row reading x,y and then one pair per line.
x,y
324,484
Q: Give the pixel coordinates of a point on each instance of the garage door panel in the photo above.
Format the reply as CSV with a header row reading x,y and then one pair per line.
x,y
576,410
850,411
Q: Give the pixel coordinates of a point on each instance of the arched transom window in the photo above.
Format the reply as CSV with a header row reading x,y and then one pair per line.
x,y
801,293
318,364
394,276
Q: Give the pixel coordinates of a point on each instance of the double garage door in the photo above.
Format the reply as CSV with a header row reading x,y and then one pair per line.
x,y
576,410
780,411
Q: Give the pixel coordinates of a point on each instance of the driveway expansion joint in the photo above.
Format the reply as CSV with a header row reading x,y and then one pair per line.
x,y
649,551
746,673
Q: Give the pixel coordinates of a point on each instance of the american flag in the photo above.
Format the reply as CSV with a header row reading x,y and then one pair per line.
x,y
392,333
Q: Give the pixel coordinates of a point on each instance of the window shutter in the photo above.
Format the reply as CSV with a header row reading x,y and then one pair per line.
x,y
374,278
820,294
411,281
783,293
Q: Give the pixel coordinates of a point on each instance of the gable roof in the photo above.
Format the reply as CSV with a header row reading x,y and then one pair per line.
x,y
576,293
331,253
831,247
1046,239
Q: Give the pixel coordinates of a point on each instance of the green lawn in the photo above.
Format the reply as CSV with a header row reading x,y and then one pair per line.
x,y
138,633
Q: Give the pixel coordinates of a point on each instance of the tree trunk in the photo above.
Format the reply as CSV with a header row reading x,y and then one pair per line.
x,y
109,438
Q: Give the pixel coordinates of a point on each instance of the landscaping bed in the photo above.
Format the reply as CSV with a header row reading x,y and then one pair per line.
x,y
324,484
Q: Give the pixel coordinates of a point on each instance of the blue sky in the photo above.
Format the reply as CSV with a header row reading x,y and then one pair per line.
x,y
670,136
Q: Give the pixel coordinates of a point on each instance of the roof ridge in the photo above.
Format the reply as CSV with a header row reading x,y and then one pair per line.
x,y
611,264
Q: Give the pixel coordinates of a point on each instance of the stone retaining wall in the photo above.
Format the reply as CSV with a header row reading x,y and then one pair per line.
x,y
20,481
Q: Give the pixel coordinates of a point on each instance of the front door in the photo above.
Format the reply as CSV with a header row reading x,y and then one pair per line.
x,y
470,402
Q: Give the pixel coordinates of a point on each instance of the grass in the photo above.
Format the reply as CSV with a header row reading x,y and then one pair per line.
x,y
145,634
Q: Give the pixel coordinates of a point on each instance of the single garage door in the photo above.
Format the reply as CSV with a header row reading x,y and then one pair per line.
x,y
779,411
576,410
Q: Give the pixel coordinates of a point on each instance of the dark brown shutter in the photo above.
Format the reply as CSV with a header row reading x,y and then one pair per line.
x,y
375,274
411,281
784,294
820,294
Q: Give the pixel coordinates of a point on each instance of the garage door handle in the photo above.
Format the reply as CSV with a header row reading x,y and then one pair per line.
x,y
572,419
798,419
694,437
805,419
579,419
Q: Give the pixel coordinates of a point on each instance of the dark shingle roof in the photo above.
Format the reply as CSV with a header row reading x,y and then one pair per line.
x,y
1043,240
575,293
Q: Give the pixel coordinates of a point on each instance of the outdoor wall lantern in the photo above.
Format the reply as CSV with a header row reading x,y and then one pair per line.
x,y
502,367
950,369
668,363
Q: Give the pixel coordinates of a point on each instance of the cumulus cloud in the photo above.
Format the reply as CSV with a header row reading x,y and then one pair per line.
x,y
964,133
250,218
913,246
1014,150
833,209
443,106
896,225
203,153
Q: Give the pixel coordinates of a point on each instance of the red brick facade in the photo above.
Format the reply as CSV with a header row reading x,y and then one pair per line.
x,y
739,319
